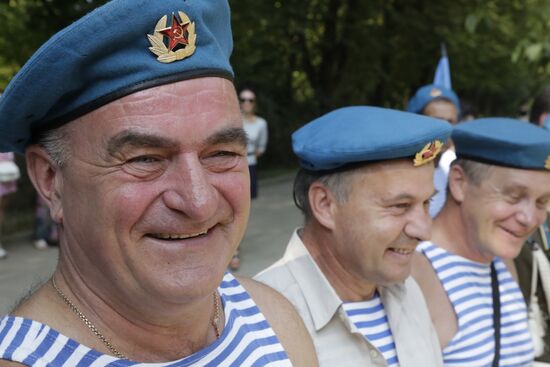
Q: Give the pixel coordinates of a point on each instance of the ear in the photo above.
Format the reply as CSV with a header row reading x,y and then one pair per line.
x,y
46,178
323,204
458,183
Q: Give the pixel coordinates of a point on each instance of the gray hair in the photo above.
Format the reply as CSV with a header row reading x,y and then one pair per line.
x,y
335,181
474,171
56,144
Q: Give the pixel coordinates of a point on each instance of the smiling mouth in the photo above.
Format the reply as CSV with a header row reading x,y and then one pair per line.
x,y
173,236
401,251
513,234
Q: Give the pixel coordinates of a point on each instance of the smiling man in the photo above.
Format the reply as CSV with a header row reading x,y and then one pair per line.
x,y
364,191
132,134
499,189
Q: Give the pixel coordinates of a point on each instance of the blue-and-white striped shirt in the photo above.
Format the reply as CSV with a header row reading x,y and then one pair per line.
x,y
370,319
468,286
247,340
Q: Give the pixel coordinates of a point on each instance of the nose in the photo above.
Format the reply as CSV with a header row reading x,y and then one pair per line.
x,y
190,191
419,225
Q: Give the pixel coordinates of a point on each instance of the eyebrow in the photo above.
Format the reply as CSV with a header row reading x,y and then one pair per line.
x,y
135,139
138,140
229,135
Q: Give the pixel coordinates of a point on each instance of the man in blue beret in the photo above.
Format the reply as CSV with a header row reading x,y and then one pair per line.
x,y
442,103
132,132
498,192
364,192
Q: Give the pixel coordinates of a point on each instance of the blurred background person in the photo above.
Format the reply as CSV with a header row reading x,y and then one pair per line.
x,y
442,103
540,110
9,174
45,229
256,132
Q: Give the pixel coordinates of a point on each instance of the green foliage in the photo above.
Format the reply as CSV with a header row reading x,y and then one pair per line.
x,y
306,57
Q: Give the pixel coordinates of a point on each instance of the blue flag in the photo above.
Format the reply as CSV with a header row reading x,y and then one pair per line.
x,y
443,71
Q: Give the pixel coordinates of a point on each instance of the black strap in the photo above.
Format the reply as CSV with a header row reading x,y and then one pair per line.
x,y
496,313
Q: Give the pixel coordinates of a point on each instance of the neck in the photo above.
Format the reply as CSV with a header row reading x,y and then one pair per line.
x,y
135,327
450,232
348,286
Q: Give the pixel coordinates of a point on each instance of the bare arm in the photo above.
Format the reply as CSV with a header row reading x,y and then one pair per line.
x,y
4,363
285,321
440,307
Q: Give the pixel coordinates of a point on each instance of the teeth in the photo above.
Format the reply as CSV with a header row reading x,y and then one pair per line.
x,y
402,251
166,236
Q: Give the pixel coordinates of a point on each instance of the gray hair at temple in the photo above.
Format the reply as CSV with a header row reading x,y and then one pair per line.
x,y
336,181
56,144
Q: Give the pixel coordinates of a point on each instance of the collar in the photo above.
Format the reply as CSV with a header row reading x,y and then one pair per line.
x,y
322,300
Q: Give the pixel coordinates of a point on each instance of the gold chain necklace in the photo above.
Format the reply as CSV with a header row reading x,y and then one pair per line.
x,y
214,321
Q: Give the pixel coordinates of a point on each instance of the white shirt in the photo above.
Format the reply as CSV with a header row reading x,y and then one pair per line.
x,y
441,177
256,132
337,340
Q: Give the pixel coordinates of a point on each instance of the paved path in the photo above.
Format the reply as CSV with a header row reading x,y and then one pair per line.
x,y
272,219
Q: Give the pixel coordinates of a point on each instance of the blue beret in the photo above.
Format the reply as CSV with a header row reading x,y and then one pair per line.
x,y
120,48
503,142
362,134
428,93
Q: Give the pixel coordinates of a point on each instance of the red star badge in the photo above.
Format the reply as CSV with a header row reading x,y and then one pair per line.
x,y
176,33
430,152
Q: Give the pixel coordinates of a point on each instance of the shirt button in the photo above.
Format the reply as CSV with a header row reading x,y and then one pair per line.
x,y
373,353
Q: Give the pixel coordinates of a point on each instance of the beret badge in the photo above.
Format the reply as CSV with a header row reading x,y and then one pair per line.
x,y
547,163
180,35
428,153
435,92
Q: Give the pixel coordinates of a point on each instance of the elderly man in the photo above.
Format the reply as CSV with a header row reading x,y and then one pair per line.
x,y
364,191
499,188
132,133
442,103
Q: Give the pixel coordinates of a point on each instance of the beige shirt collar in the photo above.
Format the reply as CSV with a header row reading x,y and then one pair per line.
x,y
322,300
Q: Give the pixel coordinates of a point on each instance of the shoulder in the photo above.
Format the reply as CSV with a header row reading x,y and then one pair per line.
x,y
277,276
425,276
261,121
422,270
4,363
284,320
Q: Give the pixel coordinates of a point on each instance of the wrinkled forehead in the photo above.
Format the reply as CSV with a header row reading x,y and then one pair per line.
x,y
192,106
535,181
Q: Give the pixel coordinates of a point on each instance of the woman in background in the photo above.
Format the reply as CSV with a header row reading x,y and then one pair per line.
x,y
256,132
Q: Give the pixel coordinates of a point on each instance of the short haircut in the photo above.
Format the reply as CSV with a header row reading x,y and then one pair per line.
x,y
56,144
541,104
336,181
475,171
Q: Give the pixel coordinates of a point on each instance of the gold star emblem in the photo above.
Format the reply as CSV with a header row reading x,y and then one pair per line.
x,y
428,153
181,38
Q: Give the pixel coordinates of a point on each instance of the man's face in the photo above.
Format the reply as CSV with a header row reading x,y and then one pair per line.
x,y
383,219
443,110
503,210
155,195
